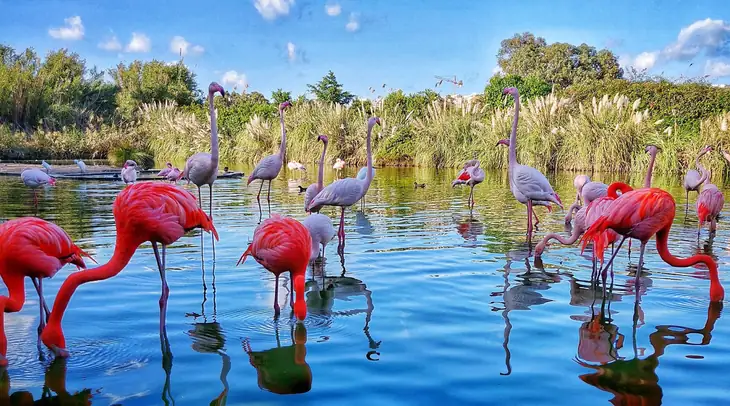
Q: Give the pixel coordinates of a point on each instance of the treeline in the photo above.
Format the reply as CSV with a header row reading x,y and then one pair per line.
x,y
580,111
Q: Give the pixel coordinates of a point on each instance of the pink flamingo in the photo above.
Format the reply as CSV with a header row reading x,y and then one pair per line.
x,y
471,176
37,249
578,229
693,180
346,192
709,205
587,191
174,175
282,244
202,167
315,188
157,212
35,178
163,173
522,199
527,180
269,167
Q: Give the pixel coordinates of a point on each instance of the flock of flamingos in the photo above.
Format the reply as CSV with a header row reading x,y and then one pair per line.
x,y
161,213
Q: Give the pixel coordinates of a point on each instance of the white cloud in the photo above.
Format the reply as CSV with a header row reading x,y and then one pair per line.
x,y
291,51
710,36
332,10
178,45
139,43
497,70
717,69
354,24
270,9
111,44
645,60
73,30
233,78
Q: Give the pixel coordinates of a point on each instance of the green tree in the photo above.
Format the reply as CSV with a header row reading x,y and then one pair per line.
x,y
560,63
330,90
529,87
279,96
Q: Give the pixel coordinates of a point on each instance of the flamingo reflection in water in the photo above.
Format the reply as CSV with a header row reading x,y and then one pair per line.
x,y
321,299
635,381
55,382
469,228
283,370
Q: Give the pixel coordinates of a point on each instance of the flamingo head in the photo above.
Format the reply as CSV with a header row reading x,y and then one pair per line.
x,y
580,181
52,181
284,105
169,165
652,149
129,164
511,90
323,138
215,87
503,142
707,148
373,120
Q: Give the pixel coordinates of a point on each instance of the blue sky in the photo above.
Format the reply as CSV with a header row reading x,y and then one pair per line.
x,y
400,43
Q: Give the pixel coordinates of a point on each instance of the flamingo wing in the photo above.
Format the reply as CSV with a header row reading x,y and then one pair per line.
x,y
279,244
164,172
532,183
267,169
344,192
709,203
594,190
312,191
692,180
34,177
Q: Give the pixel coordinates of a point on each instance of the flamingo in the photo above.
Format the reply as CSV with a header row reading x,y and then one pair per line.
x,y
578,229
165,171
46,165
81,165
296,166
587,191
527,180
157,212
361,174
174,175
521,198
313,189
129,172
346,192
202,167
471,175
693,180
338,165
709,204
282,244
269,167
641,214
578,183
322,231
37,249
35,178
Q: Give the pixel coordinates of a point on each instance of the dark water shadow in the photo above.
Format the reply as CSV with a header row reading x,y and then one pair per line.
x,y
54,389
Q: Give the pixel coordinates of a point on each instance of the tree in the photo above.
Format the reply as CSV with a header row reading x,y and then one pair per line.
x,y
329,90
279,96
559,63
529,87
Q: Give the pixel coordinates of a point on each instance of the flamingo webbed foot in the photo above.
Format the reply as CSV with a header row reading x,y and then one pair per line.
x,y
59,352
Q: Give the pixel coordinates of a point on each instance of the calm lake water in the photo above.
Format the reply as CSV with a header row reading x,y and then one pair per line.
x,y
429,304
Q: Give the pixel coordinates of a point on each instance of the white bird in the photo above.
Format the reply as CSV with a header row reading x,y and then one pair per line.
x,y
315,188
528,180
129,172
81,165
361,174
46,165
338,165
294,165
346,192
202,167
269,167
322,231
165,171
35,178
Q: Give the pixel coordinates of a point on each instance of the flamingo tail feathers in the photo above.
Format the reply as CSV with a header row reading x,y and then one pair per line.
x,y
597,234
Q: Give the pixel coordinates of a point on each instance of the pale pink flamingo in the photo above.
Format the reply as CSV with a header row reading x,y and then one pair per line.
x,y
269,167
587,191
693,180
315,188
174,175
35,178
709,205
337,166
578,183
163,173
322,231
527,180
521,198
578,229
129,172
471,175
202,167
346,192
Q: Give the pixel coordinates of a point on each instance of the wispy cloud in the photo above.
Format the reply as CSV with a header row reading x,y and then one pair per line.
x,y
271,9
73,30
291,51
111,44
354,23
233,78
717,69
139,43
178,45
333,10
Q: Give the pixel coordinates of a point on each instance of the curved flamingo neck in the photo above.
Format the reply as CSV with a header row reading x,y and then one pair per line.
x,y
213,130
16,291
282,147
123,252
647,180
513,134
369,175
705,174
617,186
320,175
717,293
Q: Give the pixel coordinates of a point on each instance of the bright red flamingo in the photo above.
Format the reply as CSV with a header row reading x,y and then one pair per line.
x,y
282,244
157,212
641,214
37,249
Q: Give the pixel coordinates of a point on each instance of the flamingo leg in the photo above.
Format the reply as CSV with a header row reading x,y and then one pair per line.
x,y
39,289
471,198
165,289
341,231
529,221
268,195
200,199
640,267
610,261
537,220
291,291
210,211
258,195
686,203
277,310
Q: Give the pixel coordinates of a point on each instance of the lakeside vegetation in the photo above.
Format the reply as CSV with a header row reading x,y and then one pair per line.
x,y
580,111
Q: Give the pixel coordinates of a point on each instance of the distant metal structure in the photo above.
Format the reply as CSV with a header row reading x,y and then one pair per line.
x,y
456,82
